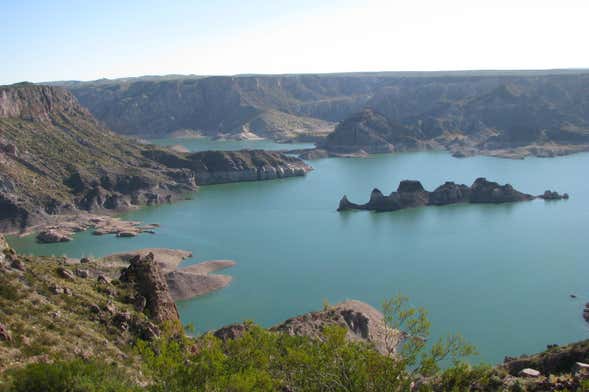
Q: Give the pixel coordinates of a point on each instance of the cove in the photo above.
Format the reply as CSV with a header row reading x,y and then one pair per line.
x,y
500,275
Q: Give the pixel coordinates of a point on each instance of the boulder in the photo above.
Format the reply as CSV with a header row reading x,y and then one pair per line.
x,y
82,273
65,273
232,331
18,264
4,334
122,320
527,372
362,322
53,235
55,289
103,279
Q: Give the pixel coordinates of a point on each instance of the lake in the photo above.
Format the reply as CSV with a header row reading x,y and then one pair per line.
x,y
500,275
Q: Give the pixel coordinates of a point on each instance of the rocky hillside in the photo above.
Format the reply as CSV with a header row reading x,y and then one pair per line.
x,y
278,107
56,158
372,133
81,316
539,113
52,309
503,116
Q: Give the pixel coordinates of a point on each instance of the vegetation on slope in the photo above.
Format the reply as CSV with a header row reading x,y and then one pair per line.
x,y
55,158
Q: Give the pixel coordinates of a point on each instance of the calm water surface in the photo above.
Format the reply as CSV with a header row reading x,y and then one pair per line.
x,y
499,274
205,143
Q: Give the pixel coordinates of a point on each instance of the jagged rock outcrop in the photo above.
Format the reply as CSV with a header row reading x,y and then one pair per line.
x,y
144,272
412,194
183,282
362,321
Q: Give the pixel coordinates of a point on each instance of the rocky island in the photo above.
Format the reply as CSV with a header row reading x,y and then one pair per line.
x,y
411,193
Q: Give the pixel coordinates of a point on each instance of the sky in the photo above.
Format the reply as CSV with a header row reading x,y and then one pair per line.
x,y
82,40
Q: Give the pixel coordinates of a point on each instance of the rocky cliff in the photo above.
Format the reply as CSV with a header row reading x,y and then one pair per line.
x,y
510,113
371,132
278,107
56,158
411,193
508,116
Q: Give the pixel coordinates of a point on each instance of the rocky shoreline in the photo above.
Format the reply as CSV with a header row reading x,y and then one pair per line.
x,y
63,227
411,193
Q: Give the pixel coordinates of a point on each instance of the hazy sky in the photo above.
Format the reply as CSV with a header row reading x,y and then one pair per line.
x,y
68,39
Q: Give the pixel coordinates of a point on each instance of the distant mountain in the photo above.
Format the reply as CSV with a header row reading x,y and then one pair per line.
x,y
504,116
56,158
372,133
464,111
277,107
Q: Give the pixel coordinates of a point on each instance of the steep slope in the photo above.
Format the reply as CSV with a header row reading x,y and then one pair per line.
x,y
55,158
278,107
467,111
512,116
370,132
502,116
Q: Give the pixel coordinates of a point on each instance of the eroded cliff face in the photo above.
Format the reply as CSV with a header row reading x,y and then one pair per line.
x,y
277,107
56,158
511,114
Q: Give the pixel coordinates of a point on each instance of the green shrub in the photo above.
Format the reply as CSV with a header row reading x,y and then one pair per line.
x,y
260,360
73,376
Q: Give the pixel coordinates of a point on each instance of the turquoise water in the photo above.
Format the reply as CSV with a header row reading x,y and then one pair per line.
x,y
499,274
204,143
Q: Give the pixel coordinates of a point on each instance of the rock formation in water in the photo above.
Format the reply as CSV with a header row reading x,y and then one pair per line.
x,y
57,159
411,193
